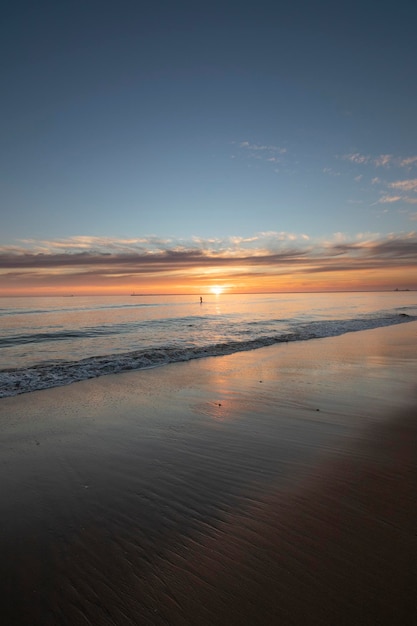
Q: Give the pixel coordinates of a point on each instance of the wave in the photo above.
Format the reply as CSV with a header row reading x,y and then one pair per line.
x,y
91,332
75,309
61,335
57,373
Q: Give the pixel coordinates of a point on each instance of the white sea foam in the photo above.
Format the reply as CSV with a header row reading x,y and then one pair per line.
x,y
58,372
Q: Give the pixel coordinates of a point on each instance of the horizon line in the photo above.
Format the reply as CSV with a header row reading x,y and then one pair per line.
x,y
207,293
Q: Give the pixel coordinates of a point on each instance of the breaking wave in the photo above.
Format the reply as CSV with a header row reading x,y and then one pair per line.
x,y
55,373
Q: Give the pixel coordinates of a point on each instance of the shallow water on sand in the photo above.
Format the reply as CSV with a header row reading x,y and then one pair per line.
x,y
47,342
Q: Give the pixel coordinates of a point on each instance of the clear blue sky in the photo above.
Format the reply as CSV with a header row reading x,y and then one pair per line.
x,y
207,119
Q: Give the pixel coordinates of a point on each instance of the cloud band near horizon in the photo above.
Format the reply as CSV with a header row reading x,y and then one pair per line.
x,y
263,262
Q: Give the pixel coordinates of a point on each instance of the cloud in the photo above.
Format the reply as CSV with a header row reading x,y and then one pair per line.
x,y
272,253
389,199
398,186
407,162
269,155
330,171
356,157
383,160
146,251
404,185
262,148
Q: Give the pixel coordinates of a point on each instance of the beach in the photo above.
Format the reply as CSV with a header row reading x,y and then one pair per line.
x,y
273,486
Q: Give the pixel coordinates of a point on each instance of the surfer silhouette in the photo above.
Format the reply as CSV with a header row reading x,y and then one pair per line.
x,y
201,300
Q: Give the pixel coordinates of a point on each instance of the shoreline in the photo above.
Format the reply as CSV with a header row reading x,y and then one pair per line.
x,y
272,486
58,373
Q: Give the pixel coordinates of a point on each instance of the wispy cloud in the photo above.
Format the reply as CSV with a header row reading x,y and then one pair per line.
x,y
401,187
256,147
356,157
404,185
389,199
124,261
395,247
330,171
380,160
407,162
266,153
400,190
383,160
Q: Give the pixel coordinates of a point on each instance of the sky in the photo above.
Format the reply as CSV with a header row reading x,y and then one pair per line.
x,y
179,147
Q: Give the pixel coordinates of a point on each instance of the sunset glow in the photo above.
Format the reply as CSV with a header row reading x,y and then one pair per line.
x,y
208,150
269,264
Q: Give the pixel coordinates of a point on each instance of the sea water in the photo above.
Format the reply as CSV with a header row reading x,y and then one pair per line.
x,y
51,341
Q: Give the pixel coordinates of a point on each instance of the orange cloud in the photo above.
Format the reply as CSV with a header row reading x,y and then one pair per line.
x,y
266,262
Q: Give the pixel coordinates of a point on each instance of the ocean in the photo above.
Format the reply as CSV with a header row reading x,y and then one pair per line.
x,y
51,341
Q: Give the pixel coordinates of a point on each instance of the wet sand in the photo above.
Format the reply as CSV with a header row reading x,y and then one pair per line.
x,y
276,486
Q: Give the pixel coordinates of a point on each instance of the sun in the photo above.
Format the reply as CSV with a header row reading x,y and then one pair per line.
x,y
216,290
